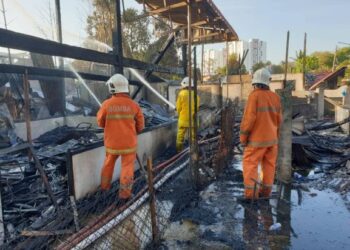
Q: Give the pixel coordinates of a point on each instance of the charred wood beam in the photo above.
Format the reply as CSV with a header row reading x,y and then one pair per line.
x,y
39,73
15,40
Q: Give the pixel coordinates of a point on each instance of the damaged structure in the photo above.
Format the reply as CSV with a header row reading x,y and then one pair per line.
x,y
52,151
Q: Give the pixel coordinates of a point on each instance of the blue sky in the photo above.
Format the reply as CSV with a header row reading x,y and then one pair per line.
x,y
325,21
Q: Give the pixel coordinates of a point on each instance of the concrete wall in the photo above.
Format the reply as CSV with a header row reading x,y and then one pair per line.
x,y
40,127
87,165
341,114
297,78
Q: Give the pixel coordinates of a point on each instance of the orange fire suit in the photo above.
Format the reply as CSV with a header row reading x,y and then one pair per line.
x,y
182,108
121,119
259,133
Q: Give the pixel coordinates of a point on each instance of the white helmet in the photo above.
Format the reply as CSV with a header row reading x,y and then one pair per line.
x,y
185,82
118,84
262,76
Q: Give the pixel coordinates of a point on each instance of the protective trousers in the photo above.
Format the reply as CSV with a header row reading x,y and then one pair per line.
x,y
252,156
181,132
126,173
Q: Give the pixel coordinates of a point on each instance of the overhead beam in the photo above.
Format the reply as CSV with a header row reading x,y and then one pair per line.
x,y
15,40
168,8
39,73
197,38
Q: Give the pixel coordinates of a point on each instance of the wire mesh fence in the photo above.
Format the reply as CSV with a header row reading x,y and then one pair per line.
x,y
101,220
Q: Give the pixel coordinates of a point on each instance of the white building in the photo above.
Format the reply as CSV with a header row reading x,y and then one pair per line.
x,y
256,53
213,59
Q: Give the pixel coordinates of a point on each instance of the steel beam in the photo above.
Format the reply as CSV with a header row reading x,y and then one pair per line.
x,y
39,73
15,40
118,39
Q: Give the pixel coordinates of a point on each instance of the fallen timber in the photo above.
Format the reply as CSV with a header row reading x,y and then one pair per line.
x,y
322,146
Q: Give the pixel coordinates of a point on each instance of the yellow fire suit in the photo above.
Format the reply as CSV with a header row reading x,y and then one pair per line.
x,y
182,107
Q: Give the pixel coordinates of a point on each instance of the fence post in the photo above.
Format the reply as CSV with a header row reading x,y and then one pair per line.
x,y
152,200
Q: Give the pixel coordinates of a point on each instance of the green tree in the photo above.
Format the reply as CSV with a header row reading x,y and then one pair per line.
x,y
343,54
260,65
136,35
170,58
311,64
233,67
325,59
276,69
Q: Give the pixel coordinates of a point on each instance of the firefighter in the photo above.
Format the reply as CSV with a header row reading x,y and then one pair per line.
x,y
259,135
182,108
122,120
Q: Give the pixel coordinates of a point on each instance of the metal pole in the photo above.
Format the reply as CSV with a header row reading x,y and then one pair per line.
x,y
27,106
184,58
202,76
60,59
334,58
286,62
189,54
304,59
118,39
152,201
227,62
5,23
195,155
58,21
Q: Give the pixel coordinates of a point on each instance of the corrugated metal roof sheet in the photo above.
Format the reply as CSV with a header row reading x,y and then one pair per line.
x,y
324,77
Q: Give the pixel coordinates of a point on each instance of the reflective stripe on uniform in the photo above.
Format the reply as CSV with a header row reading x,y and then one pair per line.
x,y
248,187
244,132
263,143
126,186
120,117
268,109
120,151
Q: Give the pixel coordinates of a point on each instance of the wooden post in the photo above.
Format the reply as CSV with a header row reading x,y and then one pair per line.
x,y
27,106
152,200
304,60
286,62
227,62
284,162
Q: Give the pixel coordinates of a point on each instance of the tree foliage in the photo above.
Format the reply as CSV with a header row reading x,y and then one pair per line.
x,y
136,35
233,67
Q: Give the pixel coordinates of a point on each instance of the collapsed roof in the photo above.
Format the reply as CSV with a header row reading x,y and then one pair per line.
x,y
208,23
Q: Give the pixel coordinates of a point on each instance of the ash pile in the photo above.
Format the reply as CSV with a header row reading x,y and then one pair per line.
x,y
25,201
321,155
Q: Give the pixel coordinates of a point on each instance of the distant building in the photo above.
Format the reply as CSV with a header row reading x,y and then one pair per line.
x,y
213,59
256,54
